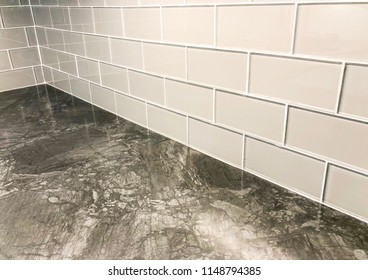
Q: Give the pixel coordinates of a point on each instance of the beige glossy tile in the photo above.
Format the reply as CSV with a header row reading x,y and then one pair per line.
x,y
91,3
9,2
80,88
354,99
131,109
284,167
88,69
165,60
161,2
190,99
60,18
48,75
326,30
221,143
97,47
4,61
25,57
16,79
216,1
127,53
55,39
48,2
31,35
108,21
256,27
347,190
300,81
67,3
147,87
194,25
103,98
142,23
61,81
39,74
74,43
42,16
41,36
114,77
16,16
257,117
167,123
335,138
123,3
12,38
67,63
218,68
49,58
82,19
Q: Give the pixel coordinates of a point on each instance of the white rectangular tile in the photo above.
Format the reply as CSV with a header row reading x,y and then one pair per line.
x,y
215,141
339,139
167,123
284,167
131,109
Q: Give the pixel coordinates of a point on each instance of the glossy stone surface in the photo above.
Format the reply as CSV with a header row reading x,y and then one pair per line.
x,y
77,182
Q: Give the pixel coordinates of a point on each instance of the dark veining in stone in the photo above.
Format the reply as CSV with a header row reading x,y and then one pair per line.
x,y
78,183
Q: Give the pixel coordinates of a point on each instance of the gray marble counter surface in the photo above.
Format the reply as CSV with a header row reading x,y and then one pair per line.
x,y
77,182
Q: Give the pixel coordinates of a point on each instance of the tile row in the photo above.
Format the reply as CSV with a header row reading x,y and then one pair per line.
x,y
287,30
19,58
16,16
323,135
283,166
15,2
20,78
136,3
310,83
17,38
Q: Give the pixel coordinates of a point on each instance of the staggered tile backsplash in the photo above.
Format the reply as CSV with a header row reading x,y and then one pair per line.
x,y
277,88
20,63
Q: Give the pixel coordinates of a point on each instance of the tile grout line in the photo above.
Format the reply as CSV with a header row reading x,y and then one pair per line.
x,y
37,41
146,114
295,26
324,182
340,88
128,79
243,151
247,81
285,125
10,60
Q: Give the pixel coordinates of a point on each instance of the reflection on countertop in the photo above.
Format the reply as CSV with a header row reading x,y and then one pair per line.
x,y
77,182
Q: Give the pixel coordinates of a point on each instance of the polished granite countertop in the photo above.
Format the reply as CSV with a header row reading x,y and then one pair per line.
x,y
77,182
